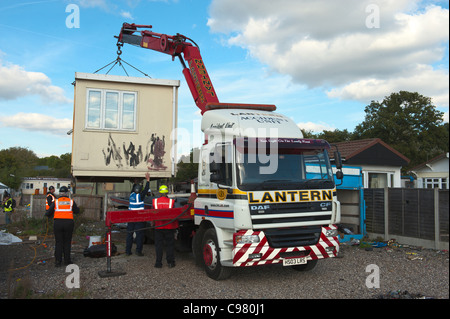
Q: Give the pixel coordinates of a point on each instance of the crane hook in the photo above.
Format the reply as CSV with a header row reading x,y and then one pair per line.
x,y
119,51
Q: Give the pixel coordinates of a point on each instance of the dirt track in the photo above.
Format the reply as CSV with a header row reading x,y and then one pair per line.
x,y
420,273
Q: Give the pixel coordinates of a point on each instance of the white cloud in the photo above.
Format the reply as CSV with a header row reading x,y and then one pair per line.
x,y
15,82
37,122
94,3
126,15
423,79
315,127
327,43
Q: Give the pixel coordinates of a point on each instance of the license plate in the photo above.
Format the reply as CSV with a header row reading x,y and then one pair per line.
x,y
294,261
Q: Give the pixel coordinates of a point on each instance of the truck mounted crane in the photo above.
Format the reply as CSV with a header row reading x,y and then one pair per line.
x,y
186,50
265,194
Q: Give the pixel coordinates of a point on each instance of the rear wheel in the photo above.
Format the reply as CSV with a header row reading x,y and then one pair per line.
x,y
211,257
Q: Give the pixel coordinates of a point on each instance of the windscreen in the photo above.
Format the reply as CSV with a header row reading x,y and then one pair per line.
x,y
283,164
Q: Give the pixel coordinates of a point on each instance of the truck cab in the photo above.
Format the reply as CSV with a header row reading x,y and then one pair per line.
x,y
265,194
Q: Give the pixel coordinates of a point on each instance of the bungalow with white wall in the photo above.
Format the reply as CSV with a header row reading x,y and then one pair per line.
x,y
40,185
433,173
380,163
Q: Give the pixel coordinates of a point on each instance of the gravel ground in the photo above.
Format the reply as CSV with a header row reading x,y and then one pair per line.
x,y
403,273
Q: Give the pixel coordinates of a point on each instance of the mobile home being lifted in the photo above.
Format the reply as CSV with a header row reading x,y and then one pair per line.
x,y
265,194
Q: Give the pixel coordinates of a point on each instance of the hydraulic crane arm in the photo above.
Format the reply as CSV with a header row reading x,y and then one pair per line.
x,y
195,73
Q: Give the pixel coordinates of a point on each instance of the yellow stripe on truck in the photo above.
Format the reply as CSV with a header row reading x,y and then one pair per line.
x,y
291,196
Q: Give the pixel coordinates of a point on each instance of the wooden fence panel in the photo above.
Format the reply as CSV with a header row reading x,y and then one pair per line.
x,y
443,215
426,215
374,198
411,213
90,205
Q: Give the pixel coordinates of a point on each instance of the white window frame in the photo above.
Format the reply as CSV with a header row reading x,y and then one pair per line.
x,y
102,115
435,182
389,177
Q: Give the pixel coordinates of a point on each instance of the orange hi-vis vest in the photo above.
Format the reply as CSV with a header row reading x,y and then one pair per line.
x,y
160,203
63,208
47,206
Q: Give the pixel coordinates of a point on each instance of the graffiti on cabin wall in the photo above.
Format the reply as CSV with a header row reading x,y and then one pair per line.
x,y
155,151
133,158
133,155
112,153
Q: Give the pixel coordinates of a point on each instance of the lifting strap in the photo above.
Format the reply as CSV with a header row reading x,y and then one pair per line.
x,y
119,61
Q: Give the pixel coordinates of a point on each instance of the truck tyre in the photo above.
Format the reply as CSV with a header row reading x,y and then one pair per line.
x,y
211,257
306,267
197,247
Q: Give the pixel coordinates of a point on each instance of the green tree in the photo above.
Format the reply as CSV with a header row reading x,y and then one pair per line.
x,y
19,162
16,163
186,170
57,166
409,122
335,136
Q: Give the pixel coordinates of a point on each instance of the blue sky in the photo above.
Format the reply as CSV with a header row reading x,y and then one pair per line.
x,y
321,62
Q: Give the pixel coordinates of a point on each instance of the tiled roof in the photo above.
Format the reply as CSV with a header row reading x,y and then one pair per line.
x,y
434,159
351,148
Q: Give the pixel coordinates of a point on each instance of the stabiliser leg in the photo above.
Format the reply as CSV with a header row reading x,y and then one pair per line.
x,y
109,272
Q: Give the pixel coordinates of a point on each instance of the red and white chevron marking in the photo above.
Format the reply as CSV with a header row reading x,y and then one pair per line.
x,y
270,255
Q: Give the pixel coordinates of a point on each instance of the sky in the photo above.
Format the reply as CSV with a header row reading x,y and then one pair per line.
x,y
320,62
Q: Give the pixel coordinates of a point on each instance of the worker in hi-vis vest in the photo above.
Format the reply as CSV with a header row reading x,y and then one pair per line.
x,y
164,231
8,206
62,210
50,197
136,202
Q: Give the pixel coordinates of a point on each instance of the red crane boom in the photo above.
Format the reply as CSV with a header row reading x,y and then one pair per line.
x,y
196,75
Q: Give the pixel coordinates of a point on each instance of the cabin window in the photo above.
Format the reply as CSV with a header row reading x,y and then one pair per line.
x,y
223,156
111,110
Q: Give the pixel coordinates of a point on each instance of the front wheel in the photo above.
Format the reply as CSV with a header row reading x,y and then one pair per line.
x,y
211,257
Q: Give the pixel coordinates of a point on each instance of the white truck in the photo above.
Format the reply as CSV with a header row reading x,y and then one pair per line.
x,y
265,194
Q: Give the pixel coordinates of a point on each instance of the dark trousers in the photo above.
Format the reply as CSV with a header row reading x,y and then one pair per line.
x,y
135,228
165,238
63,229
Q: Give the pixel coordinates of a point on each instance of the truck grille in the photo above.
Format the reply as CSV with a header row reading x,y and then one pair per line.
x,y
291,214
293,237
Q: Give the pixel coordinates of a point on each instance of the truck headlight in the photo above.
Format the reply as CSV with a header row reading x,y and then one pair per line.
x,y
245,239
331,232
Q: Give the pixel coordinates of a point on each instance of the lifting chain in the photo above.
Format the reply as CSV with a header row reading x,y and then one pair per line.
x,y
119,61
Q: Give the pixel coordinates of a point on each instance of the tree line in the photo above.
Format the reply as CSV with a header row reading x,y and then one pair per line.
x,y
19,162
406,121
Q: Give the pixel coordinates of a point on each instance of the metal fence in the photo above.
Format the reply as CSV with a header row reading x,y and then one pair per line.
x,y
417,216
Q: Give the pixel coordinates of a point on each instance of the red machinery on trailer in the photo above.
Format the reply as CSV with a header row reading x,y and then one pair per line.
x,y
144,215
